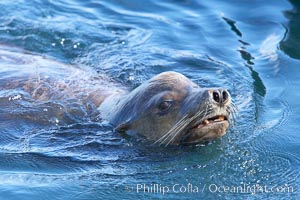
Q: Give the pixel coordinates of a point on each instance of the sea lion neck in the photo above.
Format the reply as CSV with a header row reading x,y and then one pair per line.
x,y
111,107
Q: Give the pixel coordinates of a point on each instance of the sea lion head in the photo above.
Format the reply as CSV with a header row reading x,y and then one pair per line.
x,y
171,109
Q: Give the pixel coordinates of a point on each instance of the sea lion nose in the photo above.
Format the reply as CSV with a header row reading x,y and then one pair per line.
x,y
220,96
216,96
225,95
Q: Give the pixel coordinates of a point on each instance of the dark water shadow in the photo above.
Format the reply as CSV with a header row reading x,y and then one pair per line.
x,y
291,44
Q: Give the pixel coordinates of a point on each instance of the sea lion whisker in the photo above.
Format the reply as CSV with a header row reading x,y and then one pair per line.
x,y
186,122
198,114
175,134
234,107
165,136
177,130
231,117
190,120
233,110
205,114
234,118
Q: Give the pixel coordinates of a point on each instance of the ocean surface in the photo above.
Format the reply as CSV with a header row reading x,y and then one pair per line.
x,y
252,48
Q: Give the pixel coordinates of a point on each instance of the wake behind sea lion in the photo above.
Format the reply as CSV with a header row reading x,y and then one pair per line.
x,y
167,109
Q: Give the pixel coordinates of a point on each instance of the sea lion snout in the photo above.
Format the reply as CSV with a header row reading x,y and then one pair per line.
x,y
203,98
208,112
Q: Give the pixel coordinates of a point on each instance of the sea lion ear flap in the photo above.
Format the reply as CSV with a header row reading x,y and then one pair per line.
x,y
124,126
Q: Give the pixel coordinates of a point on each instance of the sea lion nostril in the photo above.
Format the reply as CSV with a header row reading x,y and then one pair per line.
x,y
216,96
225,95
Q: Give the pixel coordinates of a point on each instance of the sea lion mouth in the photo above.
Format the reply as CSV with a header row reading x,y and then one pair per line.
x,y
210,128
210,121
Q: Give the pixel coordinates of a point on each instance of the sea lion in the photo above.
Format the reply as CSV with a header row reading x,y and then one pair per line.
x,y
170,109
167,109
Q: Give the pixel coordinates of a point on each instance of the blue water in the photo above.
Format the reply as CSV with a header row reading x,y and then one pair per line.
x,y
249,47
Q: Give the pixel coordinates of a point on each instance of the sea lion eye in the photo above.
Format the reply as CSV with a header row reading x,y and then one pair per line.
x,y
165,105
